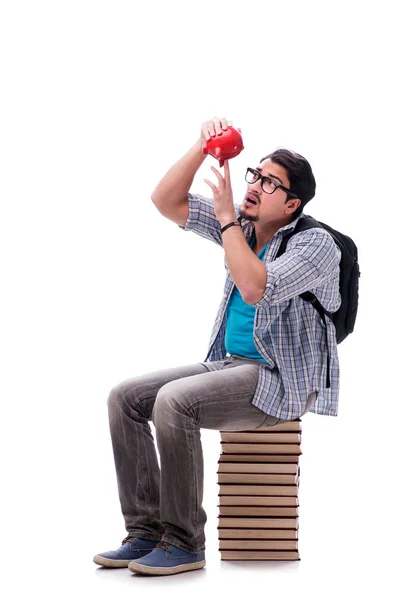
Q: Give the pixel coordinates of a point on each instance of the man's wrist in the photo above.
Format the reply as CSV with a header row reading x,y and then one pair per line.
x,y
228,219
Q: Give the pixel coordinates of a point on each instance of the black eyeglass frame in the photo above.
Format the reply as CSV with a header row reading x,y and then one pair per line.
x,y
263,178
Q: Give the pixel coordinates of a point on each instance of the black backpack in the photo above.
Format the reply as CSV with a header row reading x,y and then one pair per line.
x,y
344,318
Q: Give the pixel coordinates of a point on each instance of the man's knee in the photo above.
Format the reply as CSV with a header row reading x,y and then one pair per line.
x,y
115,399
121,398
170,402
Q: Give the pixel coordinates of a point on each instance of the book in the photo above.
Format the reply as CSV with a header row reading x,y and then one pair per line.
x,y
258,490
259,555
259,523
273,534
258,501
260,448
260,437
259,511
258,545
267,478
258,458
257,534
285,426
258,468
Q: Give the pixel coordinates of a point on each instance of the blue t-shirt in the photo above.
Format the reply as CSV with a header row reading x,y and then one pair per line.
x,y
240,323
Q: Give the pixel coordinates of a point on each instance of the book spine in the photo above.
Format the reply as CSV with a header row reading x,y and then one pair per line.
x,y
257,534
260,448
248,478
259,511
259,458
261,438
259,545
258,500
258,490
258,523
280,468
259,555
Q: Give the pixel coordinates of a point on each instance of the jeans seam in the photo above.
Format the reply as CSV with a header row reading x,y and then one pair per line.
x,y
193,471
141,443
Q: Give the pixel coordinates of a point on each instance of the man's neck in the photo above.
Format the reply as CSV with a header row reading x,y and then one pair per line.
x,y
264,234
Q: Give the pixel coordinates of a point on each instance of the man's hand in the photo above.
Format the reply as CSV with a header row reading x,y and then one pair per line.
x,y
223,197
212,128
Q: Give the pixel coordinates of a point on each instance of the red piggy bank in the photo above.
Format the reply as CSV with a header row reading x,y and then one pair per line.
x,y
225,146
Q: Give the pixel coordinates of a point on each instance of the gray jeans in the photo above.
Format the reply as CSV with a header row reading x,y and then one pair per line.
x,y
167,504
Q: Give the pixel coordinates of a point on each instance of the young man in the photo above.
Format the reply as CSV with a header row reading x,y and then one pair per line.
x,y
266,361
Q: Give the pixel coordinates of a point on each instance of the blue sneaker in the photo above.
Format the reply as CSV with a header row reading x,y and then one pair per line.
x,y
131,549
167,559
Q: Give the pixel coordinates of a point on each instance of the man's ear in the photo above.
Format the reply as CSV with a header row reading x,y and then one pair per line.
x,y
293,204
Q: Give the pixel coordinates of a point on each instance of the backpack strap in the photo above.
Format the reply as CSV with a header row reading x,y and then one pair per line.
x,y
302,225
309,297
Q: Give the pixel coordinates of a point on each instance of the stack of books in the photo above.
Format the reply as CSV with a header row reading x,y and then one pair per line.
x,y
258,477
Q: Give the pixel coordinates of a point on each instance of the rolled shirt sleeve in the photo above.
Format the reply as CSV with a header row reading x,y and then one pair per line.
x,y
310,260
202,219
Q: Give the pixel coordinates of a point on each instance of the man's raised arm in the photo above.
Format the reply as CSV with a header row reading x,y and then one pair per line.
x,y
171,194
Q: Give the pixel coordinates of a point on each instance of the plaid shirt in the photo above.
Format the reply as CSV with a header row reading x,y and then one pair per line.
x,y
288,331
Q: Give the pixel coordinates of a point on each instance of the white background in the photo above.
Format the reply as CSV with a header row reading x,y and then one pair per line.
x,y
98,100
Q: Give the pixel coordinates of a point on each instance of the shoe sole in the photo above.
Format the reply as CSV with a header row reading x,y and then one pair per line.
x,y
138,568
109,562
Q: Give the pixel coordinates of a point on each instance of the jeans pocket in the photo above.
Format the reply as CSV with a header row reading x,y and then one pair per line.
x,y
269,421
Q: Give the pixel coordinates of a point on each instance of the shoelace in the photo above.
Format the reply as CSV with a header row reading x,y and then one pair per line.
x,y
128,539
161,543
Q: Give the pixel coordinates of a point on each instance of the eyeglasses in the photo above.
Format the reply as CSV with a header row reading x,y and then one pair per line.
x,y
267,185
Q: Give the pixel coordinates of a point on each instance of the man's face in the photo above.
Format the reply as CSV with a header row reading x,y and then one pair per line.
x,y
268,208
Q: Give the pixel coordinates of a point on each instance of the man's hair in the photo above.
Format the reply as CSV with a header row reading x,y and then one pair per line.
x,y
302,182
